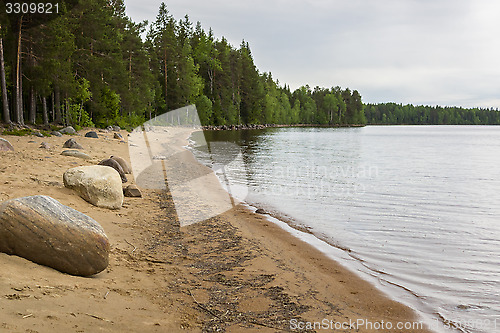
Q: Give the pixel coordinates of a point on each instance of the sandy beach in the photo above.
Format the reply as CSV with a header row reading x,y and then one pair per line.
x,y
235,272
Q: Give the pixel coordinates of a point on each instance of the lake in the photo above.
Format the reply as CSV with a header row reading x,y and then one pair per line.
x,y
414,209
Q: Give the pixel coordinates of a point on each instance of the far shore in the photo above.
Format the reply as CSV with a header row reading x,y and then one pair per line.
x,y
263,126
234,272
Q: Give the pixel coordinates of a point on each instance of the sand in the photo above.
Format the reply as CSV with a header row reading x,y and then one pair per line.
x,y
235,272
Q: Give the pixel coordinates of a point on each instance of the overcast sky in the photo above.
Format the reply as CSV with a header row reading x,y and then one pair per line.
x,y
436,52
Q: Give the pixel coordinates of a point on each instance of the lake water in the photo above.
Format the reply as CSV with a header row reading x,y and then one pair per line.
x,y
416,209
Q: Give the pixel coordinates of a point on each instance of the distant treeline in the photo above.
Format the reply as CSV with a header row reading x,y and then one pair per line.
x,y
392,114
89,66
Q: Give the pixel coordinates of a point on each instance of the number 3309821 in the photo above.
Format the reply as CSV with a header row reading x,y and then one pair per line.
x,y
31,8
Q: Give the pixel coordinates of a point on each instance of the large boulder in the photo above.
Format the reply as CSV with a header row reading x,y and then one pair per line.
x,y
41,229
100,185
115,165
125,166
5,145
71,143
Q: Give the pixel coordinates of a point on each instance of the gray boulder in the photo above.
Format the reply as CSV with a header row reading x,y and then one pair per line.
x,y
76,153
115,165
56,133
71,143
5,145
41,229
125,166
100,185
68,130
117,136
44,145
132,191
91,134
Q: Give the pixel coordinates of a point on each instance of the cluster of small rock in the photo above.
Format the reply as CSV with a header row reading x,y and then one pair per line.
x,y
236,127
41,229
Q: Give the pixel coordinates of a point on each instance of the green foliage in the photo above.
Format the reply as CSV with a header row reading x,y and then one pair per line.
x,y
46,133
129,122
204,108
18,132
108,107
78,117
90,66
392,114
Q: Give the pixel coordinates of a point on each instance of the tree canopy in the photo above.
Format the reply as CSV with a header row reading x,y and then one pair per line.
x,y
89,65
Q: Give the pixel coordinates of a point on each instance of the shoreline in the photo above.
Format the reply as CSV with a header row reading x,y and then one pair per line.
x,y
297,233
341,255
264,126
232,272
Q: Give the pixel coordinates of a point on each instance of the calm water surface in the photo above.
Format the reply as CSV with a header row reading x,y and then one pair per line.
x,y
416,207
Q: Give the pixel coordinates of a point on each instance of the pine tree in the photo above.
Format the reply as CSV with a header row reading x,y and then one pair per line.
x,y
3,81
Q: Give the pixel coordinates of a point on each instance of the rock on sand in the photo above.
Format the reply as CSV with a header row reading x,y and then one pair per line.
x,y
41,229
125,166
71,143
100,185
76,153
68,130
115,165
91,134
132,191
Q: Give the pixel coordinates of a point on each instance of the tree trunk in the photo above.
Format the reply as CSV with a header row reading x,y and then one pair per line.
x,y
130,71
32,115
57,106
66,110
166,76
21,101
18,81
32,94
5,100
53,110
45,112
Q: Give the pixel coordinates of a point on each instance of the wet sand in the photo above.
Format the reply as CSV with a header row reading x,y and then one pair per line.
x,y
235,272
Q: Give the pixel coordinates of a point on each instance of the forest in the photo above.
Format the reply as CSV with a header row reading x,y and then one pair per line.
x,y
89,65
397,114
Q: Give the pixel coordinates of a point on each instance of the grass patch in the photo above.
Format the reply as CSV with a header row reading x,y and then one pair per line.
x,y
46,133
18,132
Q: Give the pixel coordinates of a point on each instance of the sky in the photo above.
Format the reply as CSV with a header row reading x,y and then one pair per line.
x,y
430,52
